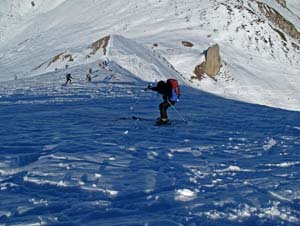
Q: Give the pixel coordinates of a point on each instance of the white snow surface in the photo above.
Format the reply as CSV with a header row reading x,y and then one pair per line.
x,y
74,155
258,66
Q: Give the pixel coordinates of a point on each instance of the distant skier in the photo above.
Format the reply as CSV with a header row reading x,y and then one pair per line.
x,y
170,92
89,75
105,65
69,78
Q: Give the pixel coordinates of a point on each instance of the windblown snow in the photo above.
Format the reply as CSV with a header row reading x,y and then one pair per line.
x,y
258,65
89,152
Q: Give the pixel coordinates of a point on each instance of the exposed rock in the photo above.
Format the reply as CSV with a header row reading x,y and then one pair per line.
x,y
187,44
54,59
101,43
200,70
62,56
212,64
281,34
296,46
279,20
69,56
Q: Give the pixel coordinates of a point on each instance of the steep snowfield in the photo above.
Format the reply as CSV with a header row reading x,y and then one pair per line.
x,y
73,155
294,6
12,8
89,153
258,67
14,14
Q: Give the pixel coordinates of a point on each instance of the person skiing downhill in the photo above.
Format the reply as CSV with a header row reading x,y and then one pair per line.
x,y
170,93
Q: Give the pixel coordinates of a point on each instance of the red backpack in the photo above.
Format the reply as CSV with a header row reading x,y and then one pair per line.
x,y
174,84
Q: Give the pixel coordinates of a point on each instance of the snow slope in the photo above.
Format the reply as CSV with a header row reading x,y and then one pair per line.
x,y
293,5
73,155
90,153
130,55
258,67
14,14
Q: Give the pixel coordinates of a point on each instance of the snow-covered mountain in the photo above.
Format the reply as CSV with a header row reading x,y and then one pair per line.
x,y
259,41
90,152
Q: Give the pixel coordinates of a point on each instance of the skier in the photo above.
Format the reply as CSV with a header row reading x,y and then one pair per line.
x,y
89,75
170,93
105,65
68,78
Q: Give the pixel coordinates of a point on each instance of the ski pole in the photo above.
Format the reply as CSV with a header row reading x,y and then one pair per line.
x,y
136,102
173,107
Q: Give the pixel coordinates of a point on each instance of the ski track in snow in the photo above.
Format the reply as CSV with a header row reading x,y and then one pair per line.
x,y
73,155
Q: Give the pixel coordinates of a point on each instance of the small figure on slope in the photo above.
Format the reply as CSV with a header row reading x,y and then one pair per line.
x,y
89,75
105,65
170,92
68,78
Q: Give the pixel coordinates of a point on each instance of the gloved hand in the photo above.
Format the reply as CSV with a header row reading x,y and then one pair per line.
x,y
149,87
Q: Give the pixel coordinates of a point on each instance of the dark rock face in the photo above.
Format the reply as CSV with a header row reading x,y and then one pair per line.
x,y
187,44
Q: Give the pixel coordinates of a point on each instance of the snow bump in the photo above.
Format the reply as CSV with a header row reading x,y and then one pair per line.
x,y
185,195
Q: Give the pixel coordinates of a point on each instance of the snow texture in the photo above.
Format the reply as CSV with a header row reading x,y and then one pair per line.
x,y
73,155
259,65
90,153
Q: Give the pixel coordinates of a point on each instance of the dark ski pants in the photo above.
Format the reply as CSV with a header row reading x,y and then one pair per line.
x,y
68,81
163,108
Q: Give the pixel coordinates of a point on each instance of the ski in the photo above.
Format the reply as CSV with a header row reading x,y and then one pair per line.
x,y
156,122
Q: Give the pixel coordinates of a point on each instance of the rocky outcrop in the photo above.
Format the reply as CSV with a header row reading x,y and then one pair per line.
x,y
67,57
279,20
199,71
55,58
212,64
187,44
101,43
213,60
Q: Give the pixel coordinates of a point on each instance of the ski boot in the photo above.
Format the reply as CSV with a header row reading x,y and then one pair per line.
x,y
162,121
